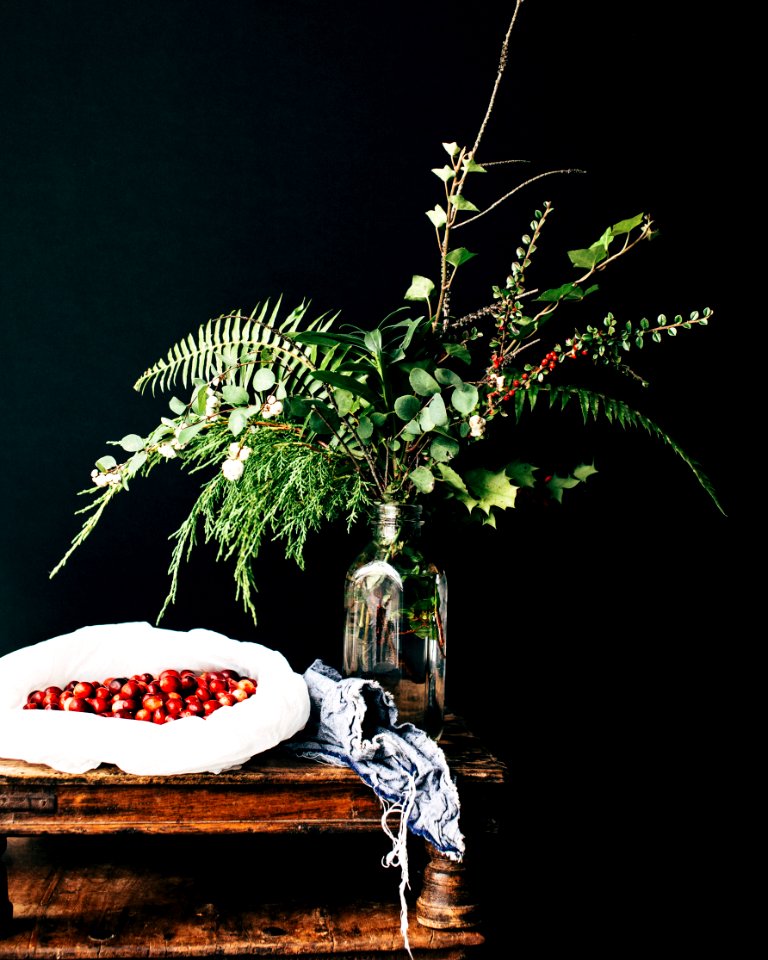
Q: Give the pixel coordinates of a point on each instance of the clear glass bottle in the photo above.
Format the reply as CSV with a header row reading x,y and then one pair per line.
x,y
396,613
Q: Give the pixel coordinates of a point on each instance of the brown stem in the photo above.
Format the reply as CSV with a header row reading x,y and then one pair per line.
x,y
499,74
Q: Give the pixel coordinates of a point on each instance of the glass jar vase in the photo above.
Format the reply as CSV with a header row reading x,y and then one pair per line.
x,y
395,617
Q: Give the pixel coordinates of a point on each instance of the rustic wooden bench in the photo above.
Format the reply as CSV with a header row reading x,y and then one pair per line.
x,y
281,857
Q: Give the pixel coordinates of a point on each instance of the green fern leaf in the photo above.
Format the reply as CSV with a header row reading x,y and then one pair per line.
x,y
592,402
210,353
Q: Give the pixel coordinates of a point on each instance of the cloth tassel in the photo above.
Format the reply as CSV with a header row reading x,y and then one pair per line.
x,y
398,855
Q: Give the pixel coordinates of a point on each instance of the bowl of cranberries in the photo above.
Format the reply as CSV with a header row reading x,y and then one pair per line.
x,y
176,701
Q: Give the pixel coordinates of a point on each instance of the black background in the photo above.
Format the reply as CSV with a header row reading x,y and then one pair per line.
x,y
163,163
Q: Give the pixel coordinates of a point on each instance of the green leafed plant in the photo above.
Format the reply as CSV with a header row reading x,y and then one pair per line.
x,y
293,419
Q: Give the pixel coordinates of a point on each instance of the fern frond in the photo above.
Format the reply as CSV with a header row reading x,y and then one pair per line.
x,y
592,404
234,342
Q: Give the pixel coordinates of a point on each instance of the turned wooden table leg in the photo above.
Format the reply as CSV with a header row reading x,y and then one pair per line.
x,y
446,900
6,907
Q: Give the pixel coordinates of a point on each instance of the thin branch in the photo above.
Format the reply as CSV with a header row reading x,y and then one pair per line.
x,y
499,73
514,190
499,163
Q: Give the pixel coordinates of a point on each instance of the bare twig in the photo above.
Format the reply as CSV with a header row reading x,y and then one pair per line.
x,y
514,190
499,74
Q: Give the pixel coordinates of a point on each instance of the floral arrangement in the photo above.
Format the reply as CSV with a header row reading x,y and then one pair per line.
x,y
295,419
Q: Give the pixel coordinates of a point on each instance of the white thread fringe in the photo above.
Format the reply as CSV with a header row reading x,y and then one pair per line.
x,y
398,855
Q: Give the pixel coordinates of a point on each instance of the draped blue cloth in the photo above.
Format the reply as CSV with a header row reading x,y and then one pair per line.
x,y
353,722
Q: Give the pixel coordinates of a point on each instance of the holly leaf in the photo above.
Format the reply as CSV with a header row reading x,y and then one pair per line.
x,y
584,470
490,490
521,473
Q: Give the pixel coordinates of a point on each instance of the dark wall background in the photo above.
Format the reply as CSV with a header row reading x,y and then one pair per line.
x,y
162,163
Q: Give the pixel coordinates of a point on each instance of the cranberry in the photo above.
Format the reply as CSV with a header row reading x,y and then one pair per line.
x,y
78,705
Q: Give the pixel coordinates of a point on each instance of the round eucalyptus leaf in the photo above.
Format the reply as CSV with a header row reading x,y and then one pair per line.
x,y
425,420
464,398
447,377
443,449
237,396
263,379
238,421
437,411
364,428
407,406
132,442
423,383
423,479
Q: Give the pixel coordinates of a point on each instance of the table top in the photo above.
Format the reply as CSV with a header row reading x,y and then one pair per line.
x,y
467,757
274,792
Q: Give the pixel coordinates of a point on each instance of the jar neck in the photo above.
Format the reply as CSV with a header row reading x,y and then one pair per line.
x,y
395,521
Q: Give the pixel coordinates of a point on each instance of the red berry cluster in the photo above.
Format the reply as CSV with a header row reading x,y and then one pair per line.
x,y
170,695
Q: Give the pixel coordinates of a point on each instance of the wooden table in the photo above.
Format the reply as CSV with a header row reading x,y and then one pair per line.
x,y
281,857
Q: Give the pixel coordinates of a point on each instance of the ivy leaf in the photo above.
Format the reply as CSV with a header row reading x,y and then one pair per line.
x,y
461,203
471,166
491,489
237,396
420,289
423,479
438,216
568,291
451,148
589,258
445,173
625,226
460,255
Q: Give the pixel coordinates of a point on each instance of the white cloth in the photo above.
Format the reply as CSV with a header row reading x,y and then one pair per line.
x,y
77,742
